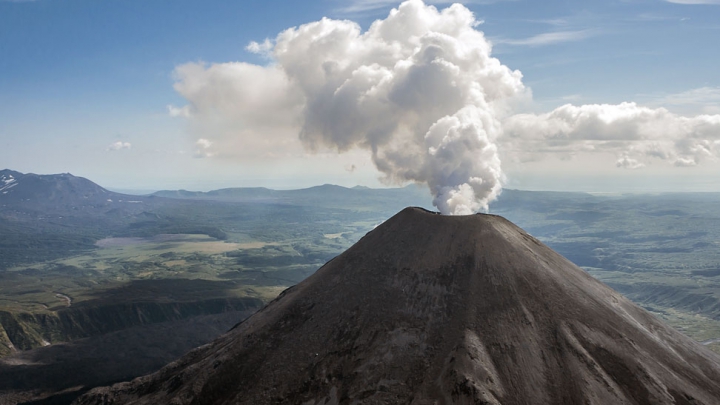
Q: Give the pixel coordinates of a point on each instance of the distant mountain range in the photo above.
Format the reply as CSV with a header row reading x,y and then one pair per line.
x,y
55,192
65,190
326,195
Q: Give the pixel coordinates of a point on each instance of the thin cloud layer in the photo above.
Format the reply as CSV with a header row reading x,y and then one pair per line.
x,y
716,2
548,38
361,6
703,99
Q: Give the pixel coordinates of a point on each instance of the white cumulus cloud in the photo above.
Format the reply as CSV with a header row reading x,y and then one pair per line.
x,y
261,48
203,149
418,90
627,162
422,94
635,133
118,146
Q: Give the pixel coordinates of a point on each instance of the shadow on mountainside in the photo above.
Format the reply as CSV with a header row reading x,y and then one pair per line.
x,y
41,375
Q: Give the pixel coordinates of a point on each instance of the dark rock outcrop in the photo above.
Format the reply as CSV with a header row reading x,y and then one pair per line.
x,y
430,309
26,330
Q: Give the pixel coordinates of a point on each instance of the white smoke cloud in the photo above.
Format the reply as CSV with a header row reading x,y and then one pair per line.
x,y
118,146
634,133
419,90
247,111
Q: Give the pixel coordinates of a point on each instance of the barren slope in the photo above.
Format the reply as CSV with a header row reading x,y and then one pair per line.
x,y
430,309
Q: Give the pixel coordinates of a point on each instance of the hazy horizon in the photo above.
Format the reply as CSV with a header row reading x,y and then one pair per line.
x,y
597,186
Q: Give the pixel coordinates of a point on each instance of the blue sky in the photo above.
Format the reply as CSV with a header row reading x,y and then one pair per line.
x,y
85,85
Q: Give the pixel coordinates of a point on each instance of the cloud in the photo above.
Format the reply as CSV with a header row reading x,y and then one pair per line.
x,y
627,162
694,1
422,94
203,149
366,5
634,133
249,111
418,90
118,146
263,48
548,38
204,143
183,112
652,17
360,6
703,99
558,22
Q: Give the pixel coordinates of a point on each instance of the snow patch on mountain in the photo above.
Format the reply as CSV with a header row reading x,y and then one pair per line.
x,y
7,182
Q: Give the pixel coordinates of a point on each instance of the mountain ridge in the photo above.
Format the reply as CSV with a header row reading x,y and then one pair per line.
x,y
56,190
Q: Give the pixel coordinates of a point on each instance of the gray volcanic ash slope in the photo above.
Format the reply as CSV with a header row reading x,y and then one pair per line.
x,y
430,309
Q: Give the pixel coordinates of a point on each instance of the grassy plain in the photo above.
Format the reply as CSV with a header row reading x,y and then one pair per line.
x,y
117,261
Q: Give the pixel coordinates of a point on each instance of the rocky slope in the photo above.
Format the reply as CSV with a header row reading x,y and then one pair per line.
x,y
429,309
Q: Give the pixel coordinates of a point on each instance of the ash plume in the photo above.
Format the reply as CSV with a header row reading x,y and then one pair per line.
x,y
421,92
418,89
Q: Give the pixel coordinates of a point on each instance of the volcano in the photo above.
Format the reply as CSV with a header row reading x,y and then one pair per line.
x,y
429,309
